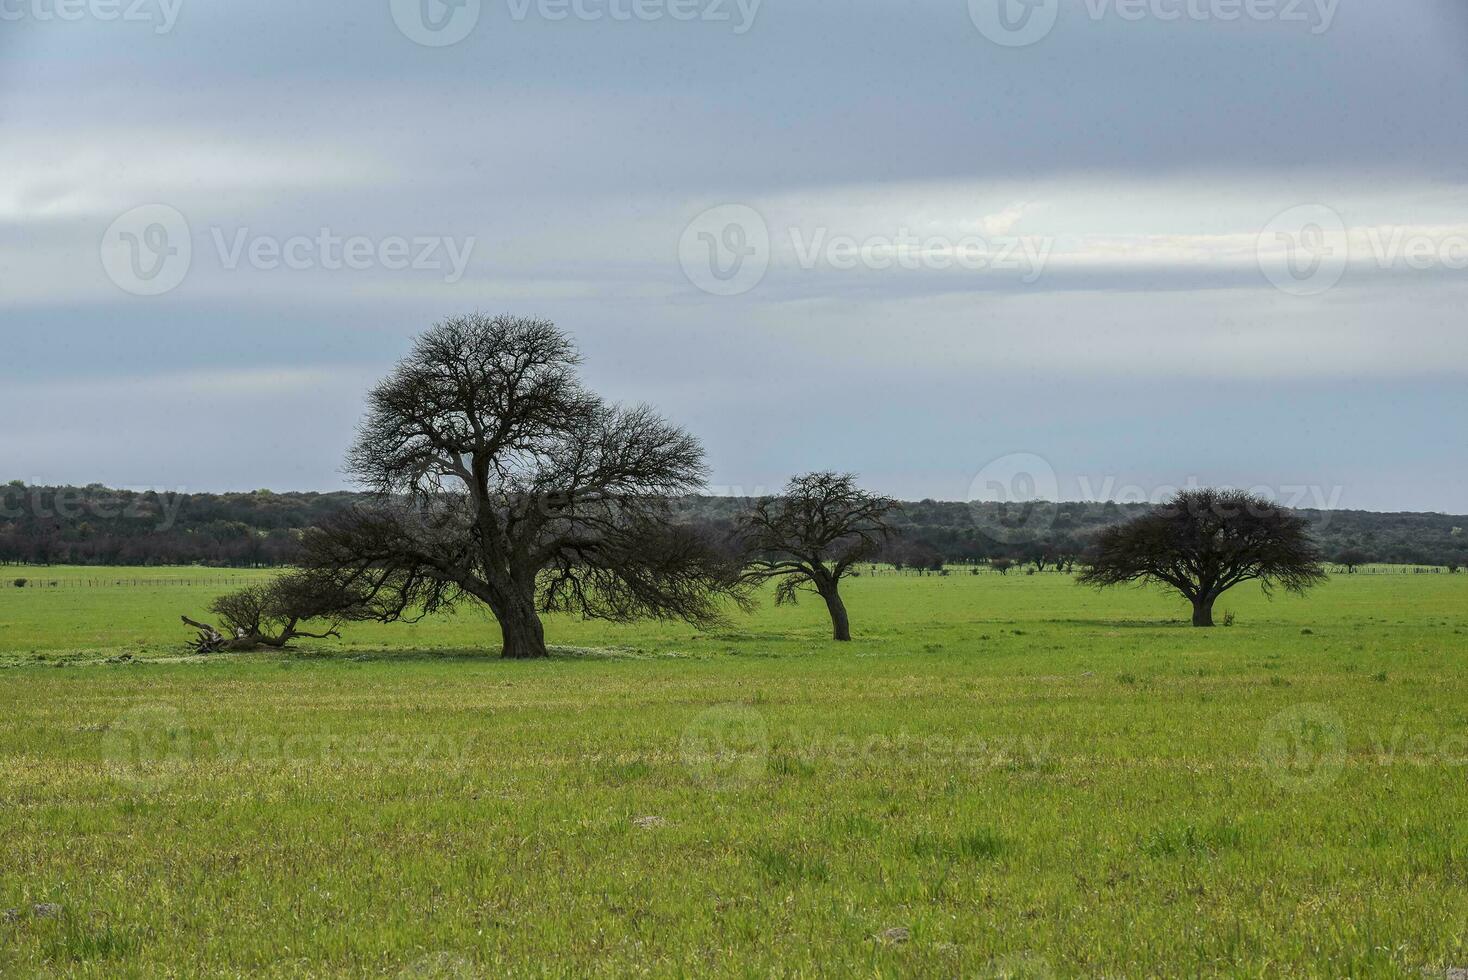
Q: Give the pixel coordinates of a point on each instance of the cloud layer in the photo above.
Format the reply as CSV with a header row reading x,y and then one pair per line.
x,y
1063,249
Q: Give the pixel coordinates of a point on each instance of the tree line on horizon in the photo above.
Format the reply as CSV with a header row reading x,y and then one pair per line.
x,y
96,525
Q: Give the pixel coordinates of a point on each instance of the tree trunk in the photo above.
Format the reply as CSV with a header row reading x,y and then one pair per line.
x,y
1203,611
840,624
524,636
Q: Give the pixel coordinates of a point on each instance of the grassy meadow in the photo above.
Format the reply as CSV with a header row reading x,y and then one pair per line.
x,y
1001,776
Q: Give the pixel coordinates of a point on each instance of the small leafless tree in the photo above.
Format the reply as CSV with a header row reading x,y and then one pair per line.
x,y
811,536
272,614
498,478
1203,543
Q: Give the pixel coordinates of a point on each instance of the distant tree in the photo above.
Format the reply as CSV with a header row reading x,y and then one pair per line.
x,y
1066,550
1454,568
1203,543
497,477
1037,554
1352,559
811,536
923,556
1001,565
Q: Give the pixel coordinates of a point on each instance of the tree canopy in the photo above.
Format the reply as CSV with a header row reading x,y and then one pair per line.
x,y
496,476
1204,542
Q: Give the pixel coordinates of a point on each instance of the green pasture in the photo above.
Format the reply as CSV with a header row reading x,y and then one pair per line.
x,y
1000,776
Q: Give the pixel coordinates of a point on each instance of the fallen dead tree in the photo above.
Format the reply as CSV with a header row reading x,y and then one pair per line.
x,y
275,613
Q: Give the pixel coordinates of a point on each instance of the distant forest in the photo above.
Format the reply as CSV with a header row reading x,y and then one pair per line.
x,y
95,525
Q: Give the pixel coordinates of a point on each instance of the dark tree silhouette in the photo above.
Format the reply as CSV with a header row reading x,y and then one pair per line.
x,y
811,536
498,477
1001,565
1203,543
1352,559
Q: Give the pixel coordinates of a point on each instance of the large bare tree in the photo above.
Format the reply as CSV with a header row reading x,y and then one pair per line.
x,y
1202,543
811,536
498,477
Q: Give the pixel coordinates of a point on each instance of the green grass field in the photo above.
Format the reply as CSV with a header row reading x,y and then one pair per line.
x,y
1001,776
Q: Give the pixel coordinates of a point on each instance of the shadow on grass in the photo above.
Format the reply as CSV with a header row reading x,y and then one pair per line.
x,y
329,655
1124,623
475,655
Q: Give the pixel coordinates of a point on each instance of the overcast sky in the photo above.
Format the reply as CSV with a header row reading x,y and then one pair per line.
x,y
1098,246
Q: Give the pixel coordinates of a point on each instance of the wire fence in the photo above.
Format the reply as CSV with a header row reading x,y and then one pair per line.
x,y
29,582
1018,569
35,578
